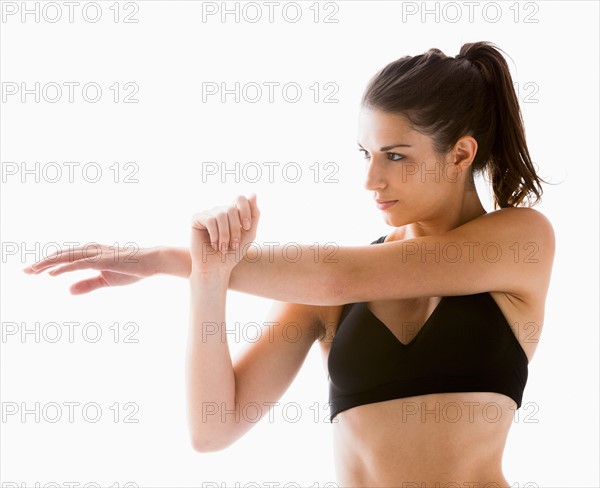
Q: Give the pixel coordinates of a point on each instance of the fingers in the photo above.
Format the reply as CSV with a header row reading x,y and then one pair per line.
x,y
203,221
235,225
229,228
63,256
86,286
224,224
245,211
255,212
75,266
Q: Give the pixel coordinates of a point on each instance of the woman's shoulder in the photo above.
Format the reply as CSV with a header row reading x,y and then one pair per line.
x,y
526,237
526,216
522,224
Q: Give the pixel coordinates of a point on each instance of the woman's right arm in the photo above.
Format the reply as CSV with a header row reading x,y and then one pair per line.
x,y
210,381
223,406
223,398
175,261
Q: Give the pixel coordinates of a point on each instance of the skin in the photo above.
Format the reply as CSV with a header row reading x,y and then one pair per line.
x,y
375,445
378,444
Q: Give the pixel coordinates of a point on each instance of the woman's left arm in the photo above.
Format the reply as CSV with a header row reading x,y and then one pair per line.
x,y
509,250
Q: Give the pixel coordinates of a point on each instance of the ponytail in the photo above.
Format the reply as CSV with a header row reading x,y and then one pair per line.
x,y
478,99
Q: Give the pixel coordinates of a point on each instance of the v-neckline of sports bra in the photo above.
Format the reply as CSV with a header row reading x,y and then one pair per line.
x,y
398,341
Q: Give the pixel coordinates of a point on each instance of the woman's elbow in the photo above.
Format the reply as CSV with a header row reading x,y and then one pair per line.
x,y
206,443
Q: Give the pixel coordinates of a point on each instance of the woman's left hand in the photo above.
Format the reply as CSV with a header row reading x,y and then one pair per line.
x,y
223,227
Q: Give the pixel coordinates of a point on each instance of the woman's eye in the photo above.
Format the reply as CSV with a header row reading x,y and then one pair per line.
x,y
391,156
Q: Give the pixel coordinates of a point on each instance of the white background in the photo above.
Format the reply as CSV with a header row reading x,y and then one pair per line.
x,y
168,54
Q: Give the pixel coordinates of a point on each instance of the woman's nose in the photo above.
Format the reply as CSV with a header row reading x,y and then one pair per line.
x,y
373,175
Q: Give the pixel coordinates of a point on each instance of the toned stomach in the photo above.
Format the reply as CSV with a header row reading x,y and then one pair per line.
x,y
447,439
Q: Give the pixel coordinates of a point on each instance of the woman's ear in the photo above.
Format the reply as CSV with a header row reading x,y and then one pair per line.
x,y
465,151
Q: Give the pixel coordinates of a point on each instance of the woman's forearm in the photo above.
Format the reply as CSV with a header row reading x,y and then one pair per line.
x,y
210,380
303,273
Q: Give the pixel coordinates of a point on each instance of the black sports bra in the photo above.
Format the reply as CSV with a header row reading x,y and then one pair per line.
x,y
466,345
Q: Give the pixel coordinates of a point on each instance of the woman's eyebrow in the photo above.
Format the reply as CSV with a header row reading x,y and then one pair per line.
x,y
387,148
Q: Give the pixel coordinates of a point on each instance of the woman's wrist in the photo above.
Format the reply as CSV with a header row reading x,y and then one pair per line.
x,y
201,273
176,261
214,280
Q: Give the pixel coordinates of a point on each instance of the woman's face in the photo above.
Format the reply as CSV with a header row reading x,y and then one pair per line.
x,y
401,165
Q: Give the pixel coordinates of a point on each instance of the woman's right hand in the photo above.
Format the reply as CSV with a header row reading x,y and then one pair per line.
x,y
227,230
117,266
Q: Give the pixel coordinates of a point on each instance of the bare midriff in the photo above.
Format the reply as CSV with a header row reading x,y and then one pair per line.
x,y
439,440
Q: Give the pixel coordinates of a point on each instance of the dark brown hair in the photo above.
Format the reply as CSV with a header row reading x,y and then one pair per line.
x,y
470,94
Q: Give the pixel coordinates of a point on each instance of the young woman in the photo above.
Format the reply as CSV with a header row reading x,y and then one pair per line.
x,y
426,335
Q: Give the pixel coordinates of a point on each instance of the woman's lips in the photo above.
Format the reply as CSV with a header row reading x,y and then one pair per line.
x,y
385,205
